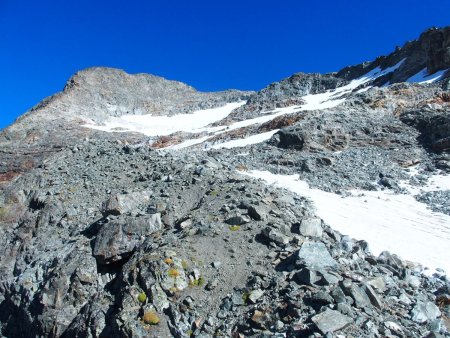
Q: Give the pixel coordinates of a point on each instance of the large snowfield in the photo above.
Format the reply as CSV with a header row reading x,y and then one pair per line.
x,y
387,221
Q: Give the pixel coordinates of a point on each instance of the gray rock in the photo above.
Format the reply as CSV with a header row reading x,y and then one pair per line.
x,y
238,220
258,213
117,239
122,203
307,276
331,321
315,255
275,236
394,327
359,296
255,295
424,312
159,298
311,227
373,296
413,281
338,295
378,283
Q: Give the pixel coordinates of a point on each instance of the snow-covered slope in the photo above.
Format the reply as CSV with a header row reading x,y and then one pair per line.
x,y
387,221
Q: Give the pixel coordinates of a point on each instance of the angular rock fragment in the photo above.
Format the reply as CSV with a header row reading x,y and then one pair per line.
x,y
315,255
275,236
331,321
311,227
117,239
238,220
122,203
424,312
258,213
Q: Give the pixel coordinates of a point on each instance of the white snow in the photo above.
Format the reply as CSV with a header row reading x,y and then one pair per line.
x,y
165,125
258,138
424,77
332,98
397,223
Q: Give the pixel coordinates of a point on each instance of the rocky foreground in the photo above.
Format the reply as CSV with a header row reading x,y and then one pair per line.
x,y
116,234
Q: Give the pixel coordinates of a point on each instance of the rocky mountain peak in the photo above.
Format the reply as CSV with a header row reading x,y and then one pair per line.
x,y
113,79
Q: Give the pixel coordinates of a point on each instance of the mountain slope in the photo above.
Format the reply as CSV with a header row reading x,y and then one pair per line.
x,y
135,206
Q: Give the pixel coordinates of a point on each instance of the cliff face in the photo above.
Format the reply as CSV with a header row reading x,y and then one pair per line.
x,y
107,232
431,52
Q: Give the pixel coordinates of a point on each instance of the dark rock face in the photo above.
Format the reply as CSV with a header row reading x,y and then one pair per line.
x,y
431,51
434,127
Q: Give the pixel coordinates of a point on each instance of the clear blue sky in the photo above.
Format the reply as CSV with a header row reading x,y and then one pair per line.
x,y
209,44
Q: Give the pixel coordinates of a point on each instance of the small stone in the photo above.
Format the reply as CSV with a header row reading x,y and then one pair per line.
x,y
275,236
331,321
212,285
345,309
338,295
378,283
307,276
216,264
321,297
258,213
238,220
159,298
329,278
122,203
188,301
311,227
255,295
186,224
404,299
413,281
394,327
374,298
358,295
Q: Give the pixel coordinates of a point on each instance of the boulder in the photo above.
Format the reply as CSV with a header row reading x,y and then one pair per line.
x,y
122,203
117,239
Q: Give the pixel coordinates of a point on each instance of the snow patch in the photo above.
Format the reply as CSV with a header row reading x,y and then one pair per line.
x,y
150,125
333,98
423,76
397,223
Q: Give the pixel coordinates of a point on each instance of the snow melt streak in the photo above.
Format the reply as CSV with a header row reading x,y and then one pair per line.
x,y
397,223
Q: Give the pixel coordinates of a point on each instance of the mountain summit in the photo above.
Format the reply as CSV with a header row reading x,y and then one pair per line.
x,y
136,206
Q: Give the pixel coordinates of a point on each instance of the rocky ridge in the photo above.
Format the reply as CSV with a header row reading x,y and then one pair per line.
x,y
104,235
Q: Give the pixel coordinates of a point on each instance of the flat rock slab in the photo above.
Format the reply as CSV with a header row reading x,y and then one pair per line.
x,y
330,321
315,255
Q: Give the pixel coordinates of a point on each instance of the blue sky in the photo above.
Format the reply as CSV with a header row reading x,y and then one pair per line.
x,y
209,44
